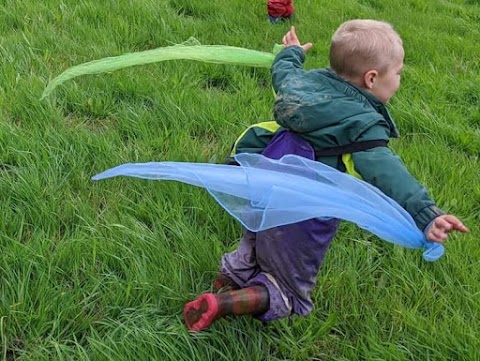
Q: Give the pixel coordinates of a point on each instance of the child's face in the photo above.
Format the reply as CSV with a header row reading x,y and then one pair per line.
x,y
387,84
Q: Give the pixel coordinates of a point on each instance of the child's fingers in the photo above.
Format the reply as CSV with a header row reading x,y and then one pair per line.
x,y
292,35
443,224
290,39
460,227
437,235
287,38
292,32
456,224
307,46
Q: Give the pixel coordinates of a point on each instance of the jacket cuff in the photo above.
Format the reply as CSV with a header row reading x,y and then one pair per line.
x,y
426,216
299,50
296,49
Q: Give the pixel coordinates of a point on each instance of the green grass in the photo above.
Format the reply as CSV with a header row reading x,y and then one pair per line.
x,y
101,271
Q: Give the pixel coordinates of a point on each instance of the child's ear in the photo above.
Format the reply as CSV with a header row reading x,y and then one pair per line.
x,y
369,78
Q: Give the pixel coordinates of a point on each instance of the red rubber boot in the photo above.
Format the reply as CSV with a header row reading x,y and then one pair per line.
x,y
202,312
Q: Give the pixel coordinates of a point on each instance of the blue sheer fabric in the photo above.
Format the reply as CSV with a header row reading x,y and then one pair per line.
x,y
263,193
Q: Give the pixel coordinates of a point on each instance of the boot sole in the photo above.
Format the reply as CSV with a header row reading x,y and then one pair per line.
x,y
200,313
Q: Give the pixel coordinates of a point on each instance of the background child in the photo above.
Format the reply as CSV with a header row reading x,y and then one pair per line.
x,y
336,116
280,10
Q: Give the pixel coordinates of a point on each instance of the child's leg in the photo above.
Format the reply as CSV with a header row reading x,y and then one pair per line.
x,y
200,313
241,265
236,269
274,19
290,258
286,262
223,283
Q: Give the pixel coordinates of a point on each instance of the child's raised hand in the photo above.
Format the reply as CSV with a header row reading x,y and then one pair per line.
x,y
442,225
291,39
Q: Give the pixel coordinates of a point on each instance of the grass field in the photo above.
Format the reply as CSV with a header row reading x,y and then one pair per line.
x,y
101,271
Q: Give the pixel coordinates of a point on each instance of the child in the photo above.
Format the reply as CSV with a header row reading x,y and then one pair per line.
x,y
279,10
340,113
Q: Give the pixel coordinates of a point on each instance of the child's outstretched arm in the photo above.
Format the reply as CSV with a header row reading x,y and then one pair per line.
x,y
289,62
440,227
386,171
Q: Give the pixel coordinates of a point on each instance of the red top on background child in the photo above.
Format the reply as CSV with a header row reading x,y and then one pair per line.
x,y
279,10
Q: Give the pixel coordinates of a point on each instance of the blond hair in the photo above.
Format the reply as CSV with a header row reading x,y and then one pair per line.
x,y
361,45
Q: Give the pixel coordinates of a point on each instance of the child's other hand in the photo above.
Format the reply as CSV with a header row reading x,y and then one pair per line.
x,y
291,39
442,225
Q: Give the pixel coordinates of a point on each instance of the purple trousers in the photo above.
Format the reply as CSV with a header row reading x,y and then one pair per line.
x,y
285,259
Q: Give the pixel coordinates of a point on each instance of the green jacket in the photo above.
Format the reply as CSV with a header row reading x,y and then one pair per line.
x,y
329,113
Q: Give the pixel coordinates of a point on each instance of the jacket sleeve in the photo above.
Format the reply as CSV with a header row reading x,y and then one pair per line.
x,y
287,63
385,170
